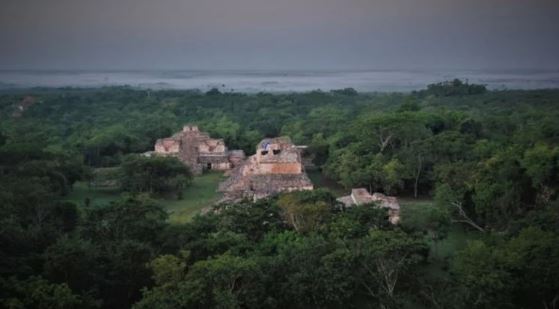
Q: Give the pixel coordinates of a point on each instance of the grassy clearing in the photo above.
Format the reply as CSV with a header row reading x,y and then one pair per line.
x,y
202,193
97,196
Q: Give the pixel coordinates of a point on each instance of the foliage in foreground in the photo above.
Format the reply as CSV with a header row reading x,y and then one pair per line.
x,y
157,175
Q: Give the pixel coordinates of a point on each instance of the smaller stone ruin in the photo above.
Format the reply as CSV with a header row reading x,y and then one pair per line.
x,y
23,105
276,167
198,150
361,196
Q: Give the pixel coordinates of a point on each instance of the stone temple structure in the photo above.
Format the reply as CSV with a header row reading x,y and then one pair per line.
x,y
361,196
23,106
197,150
276,167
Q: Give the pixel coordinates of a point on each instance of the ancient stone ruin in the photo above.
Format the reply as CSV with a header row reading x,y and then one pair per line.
x,y
23,105
276,167
197,150
361,196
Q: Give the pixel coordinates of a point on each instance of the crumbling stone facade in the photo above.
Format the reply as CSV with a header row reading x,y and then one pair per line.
x,y
276,167
361,196
198,150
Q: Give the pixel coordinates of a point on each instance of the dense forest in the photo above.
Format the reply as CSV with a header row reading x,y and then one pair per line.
x,y
475,165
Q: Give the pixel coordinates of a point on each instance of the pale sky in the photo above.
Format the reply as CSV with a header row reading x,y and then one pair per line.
x,y
279,34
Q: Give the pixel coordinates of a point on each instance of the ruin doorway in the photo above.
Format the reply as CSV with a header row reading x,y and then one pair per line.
x,y
209,166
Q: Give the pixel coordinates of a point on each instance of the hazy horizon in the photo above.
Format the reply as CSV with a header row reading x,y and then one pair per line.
x,y
277,80
279,35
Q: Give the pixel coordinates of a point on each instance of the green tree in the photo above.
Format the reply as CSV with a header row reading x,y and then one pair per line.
x,y
2,139
392,178
154,175
303,216
532,258
127,218
480,269
222,282
385,259
541,164
35,292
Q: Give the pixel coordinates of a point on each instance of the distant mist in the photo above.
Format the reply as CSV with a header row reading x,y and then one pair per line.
x,y
278,81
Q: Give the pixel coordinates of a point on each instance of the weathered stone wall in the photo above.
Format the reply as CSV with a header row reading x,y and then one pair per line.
x,y
276,167
190,128
167,146
360,196
236,157
281,168
197,150
221,166
211,146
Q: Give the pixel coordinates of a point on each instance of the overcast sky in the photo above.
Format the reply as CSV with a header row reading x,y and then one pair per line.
x,y
279,34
